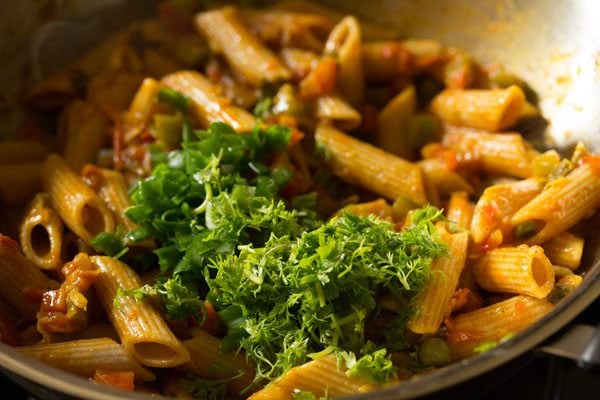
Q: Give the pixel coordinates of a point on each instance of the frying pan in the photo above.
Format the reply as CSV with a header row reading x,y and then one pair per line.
x,y
553,45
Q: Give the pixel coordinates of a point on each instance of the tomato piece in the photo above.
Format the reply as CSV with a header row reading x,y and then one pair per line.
x,y
119,379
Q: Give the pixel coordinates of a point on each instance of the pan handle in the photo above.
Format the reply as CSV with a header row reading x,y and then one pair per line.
x,y
580,343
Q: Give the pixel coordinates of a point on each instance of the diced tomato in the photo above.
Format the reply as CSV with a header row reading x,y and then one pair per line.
x,y
465,300
119,379
320,81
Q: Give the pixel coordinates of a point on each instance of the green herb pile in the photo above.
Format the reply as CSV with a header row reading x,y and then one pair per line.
x,y
288,286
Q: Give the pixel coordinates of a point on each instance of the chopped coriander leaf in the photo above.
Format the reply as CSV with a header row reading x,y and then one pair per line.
x,y
111,244
263,107
299,296
302,395
175,99
375,367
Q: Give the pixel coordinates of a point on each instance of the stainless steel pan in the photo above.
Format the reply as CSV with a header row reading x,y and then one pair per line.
x,y
554,45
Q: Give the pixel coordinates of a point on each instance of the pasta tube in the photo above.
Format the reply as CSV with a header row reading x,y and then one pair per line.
x,y
520,270
433,304
85,128
460,210
320,377
41,234
443,178
504,154
563,202
112,189
84,357
77,204
564,249
208,361
344,44
143,332
392,124
21,282
208,104
335,109
250,58
369,167
493,323
498,204
493,110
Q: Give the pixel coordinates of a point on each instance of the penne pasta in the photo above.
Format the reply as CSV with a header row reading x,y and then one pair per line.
x,y
492,110
367,166
21,282
498,204
250,58
564,249
504,154
85,128
112,189
208,361
563,202
143,332
491,324
41,234
77,204
433,304
321,377
460,210
392,124
208,105
86,356
344,45
443,178
336,110
521,270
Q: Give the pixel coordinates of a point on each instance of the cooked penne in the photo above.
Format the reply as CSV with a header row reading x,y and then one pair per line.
x,y
336,110
491,324
250,58
85,129
498,204
504,154
289,29
443,178
563,202
564,249
73,245
367,166
460,210
379,207
112,189
433,304
521,270
298,61
84,357
392,124
208,104
22,151
143,332
320,377
344,44
41,233
21,282
208,361
77,204
493,110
